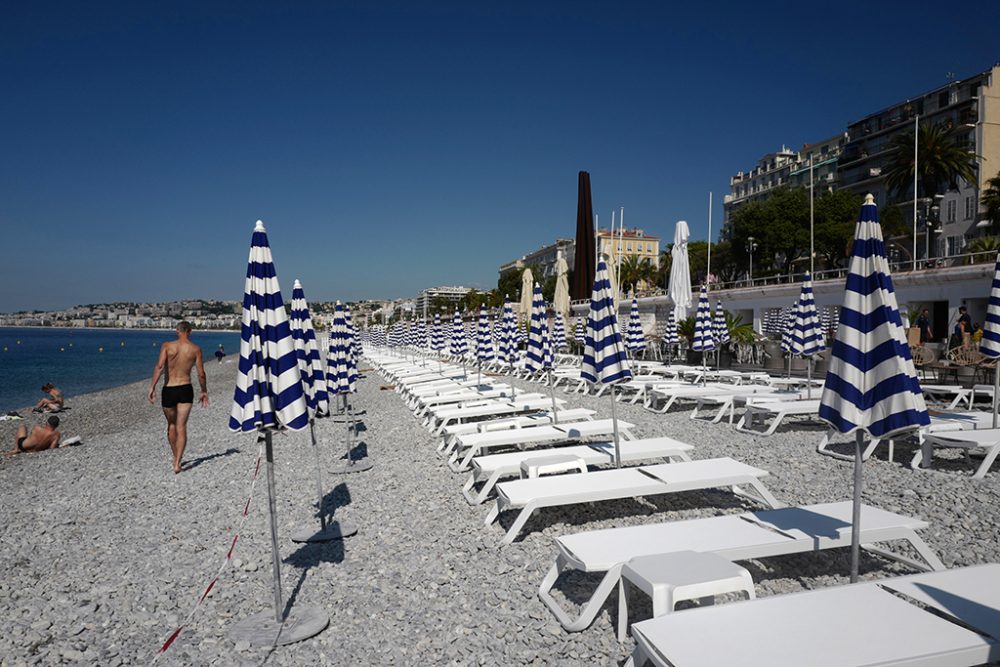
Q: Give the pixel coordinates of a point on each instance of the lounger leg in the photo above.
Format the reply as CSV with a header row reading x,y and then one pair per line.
x,y
622,609
467,488
929,560
590,610
760,493
493,514
466,462
984,467
515,528
775,423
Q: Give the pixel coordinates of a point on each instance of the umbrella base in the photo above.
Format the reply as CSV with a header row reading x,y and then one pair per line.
x,y
345,468
262,630
335,530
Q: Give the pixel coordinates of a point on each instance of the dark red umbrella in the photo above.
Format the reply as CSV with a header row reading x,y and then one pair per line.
x,y
583,265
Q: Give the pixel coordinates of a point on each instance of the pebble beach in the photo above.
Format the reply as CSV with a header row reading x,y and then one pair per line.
x,y
105,551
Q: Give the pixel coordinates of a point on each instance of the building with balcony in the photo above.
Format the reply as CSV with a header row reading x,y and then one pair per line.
x,y
422,303
629,243
544,259
973,106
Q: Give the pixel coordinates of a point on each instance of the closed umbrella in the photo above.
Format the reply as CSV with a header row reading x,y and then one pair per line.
x,y
580,331
458,347
604,359
670,336
704,340
635,338
680,272
356,349
788,318
558,332
533,357
584,253
527,282
720,327
560,301
484,342
508,339
807,332
317,401
871,385
990,344
341,376
437,338
268,396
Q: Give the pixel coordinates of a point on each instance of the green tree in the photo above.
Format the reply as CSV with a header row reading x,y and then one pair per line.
x,y
834,215
635,270
779,226
943,158
990,201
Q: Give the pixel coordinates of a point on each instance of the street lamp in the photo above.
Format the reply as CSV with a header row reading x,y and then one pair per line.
x,y
751,246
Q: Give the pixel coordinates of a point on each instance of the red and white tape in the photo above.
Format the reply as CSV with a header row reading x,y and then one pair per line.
x,y
225,563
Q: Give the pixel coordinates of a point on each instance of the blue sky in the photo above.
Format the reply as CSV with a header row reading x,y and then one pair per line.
x,y
391,146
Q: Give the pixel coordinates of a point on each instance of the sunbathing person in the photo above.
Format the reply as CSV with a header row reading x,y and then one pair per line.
x,y
55,401
45,436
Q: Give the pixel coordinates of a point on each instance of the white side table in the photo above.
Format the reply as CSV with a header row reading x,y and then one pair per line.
x,y
548,465
681,575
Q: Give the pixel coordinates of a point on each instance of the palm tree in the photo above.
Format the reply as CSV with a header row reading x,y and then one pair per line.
x,y
990,201
636,270
943,159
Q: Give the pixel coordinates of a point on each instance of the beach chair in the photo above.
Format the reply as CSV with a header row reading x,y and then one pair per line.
x,y
725,402
436,421
950,395
984,440
777,411
937,619
763,534
540,418
941,422
489,469
469,446
528,495
669,393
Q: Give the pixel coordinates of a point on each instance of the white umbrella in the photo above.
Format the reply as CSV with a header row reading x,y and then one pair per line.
x,y
871,385
613,282
680,272
527,284
560,301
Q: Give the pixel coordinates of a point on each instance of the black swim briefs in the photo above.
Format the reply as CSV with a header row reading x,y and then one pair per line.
x,y
20,444
182,393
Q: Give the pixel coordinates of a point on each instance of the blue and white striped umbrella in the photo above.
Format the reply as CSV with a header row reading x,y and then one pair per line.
x,y
422,334
437,334
307,353
548,358
484,341
459,346
559,332
509,339
635,338
807,337
580,331
533,358
353,333
720,328
703,340
990,343
604,359
269,390
788,316
871,385
341,372
670,335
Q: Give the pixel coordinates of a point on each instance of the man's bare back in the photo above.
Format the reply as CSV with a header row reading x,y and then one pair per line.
x,y
177,358
45,436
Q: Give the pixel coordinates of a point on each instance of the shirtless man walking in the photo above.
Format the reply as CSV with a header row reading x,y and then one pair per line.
x,y
177,397
41,437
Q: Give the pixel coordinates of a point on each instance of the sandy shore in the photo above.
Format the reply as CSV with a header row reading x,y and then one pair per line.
x,y
106,551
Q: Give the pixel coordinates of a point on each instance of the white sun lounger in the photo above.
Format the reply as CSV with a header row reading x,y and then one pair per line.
x,y
943,393
762,534
941,422
871,624
540,418
672,392
523,403
489,469
987,440
461,396
726,401
777,411
469,446
527,495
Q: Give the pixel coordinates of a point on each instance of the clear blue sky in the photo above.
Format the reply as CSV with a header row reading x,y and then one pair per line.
x,y
391,146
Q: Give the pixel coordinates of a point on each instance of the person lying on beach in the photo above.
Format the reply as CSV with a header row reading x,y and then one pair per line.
x,y
177,397
45,436
55,401
220,354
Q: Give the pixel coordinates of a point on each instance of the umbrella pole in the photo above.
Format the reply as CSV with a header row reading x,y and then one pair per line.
x,y
328,531
809,379
996,390
513,389
279,605
552,390
614,428
856,515
479,375
319,476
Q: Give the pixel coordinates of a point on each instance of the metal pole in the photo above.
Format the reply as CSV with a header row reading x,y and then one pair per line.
x,y
708,262
552,390
809,379
319,476
614,428
856,514
279,604
916,141
812,237
996,390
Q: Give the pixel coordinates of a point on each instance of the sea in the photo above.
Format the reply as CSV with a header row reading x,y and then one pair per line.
x,y
80,361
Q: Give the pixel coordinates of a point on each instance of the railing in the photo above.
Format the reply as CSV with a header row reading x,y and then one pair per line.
x,y
965,259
